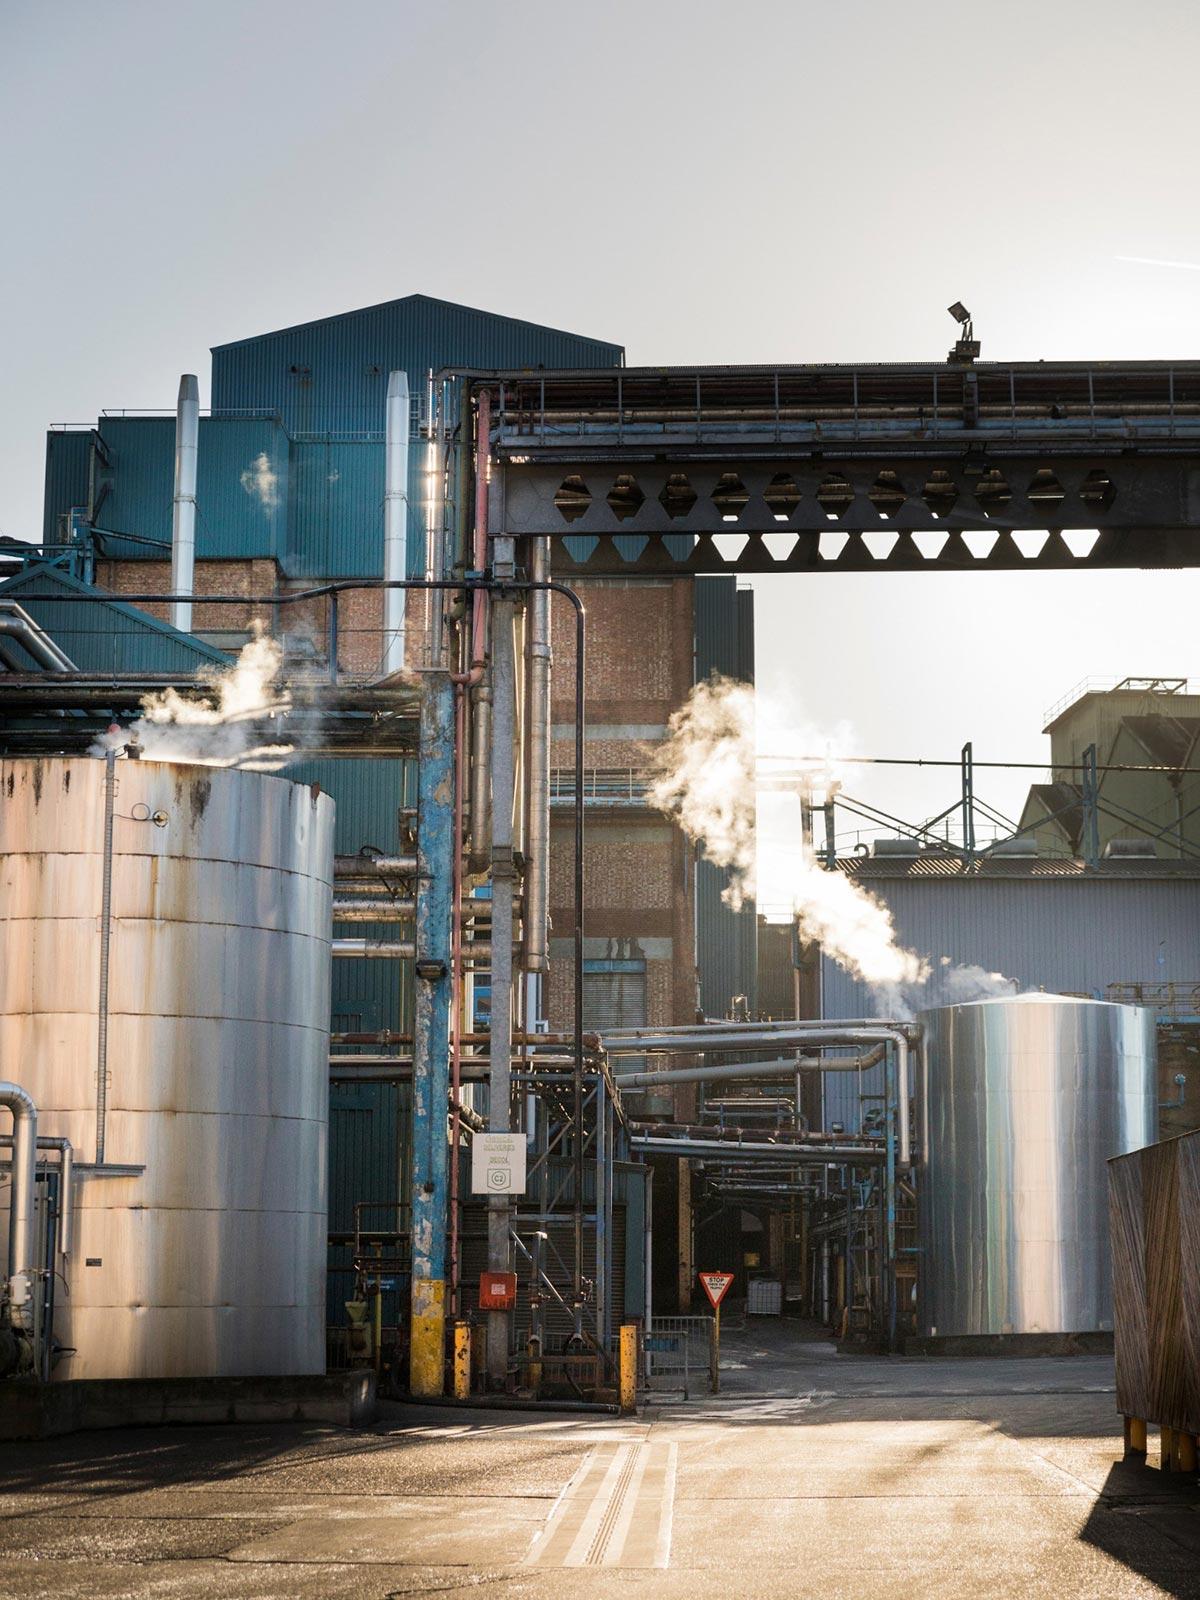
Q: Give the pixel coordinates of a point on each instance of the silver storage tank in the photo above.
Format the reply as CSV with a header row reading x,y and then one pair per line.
x,y
211,1260
1021,1103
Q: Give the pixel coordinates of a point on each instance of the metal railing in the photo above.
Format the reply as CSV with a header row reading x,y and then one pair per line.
x,y
616,786
679,1355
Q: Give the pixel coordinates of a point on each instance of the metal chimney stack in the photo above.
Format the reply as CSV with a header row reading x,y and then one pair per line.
x,y
183,512
395,523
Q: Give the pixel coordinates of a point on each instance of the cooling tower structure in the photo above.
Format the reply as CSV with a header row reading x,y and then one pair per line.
x,y
1021,1103
164,998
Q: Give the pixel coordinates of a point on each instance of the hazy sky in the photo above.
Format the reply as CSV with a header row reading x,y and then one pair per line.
x,y
703,182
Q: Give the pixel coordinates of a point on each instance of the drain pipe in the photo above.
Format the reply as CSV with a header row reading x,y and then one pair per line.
x,y
395,521
21,1251
110,794
183,510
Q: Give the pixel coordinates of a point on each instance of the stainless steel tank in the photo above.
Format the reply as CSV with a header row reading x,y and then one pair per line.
x,y
211,1259
1021,1103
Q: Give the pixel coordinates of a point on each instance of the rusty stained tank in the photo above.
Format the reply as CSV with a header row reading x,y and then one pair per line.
x,y
211,1259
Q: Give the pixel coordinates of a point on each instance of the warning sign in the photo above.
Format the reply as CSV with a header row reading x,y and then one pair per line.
x,y
716,1286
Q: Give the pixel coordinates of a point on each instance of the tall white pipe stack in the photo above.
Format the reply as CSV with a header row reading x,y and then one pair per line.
x,y
395,521
183,512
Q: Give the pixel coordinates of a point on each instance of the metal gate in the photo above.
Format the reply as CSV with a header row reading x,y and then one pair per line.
x,y
679,1355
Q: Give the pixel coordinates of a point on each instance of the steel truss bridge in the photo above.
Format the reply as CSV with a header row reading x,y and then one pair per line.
x,y
984,467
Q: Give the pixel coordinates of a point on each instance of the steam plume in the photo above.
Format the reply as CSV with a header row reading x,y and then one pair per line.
x,y
222,729
261,481
705,774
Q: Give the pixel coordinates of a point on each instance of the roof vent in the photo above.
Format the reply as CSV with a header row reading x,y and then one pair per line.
x,y
896,847
1131,850
1025,848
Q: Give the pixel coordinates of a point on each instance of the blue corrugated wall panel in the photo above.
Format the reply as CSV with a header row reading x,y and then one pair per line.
x,y
106,636
241,489
331,375
368,995
726,940
68,456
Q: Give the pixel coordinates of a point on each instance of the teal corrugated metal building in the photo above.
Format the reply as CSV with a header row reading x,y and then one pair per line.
x,y
292,469
726,940
107,635
330,376
291,459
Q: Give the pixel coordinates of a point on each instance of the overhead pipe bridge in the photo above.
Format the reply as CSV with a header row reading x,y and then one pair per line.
x,y
986,466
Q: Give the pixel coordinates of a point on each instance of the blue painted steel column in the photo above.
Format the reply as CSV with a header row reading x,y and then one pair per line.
x,y
431,1033
889,1180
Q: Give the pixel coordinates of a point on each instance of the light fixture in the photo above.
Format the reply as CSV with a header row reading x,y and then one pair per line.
x,y
966,349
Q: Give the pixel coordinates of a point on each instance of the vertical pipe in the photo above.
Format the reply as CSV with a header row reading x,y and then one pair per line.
x,y
22,1266
431,1026
649,1266
500,1077
395,520
537,853
456,985
889,1249
602,1157
183,507
110,790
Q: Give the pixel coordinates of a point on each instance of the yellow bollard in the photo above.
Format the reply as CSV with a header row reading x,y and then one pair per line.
x,y
628,1366
1185,1452
462,1360
1166,1448
1135,1436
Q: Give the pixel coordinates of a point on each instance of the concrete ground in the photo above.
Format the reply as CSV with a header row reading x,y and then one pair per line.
x,y
812,1474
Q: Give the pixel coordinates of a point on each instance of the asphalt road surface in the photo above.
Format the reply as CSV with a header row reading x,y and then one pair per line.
x,y
812,1474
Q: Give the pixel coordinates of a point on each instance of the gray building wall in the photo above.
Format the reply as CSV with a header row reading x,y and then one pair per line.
x,y
1065,935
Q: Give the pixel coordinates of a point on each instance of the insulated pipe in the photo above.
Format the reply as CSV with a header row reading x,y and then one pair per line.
x,y
15,623
472,678
395,520
822,1033
183,508
21,1240
800,1156
783,1068
398,950
66,1153
373,866
537,852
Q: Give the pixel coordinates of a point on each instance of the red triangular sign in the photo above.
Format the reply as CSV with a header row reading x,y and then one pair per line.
x,y
716,1286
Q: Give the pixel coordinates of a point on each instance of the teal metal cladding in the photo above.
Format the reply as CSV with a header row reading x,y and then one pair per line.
x,y
68,460
241,490
106,635
331,376
726,941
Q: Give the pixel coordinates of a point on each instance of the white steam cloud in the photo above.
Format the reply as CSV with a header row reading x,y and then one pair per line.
x,y
261,482
706,775
222,729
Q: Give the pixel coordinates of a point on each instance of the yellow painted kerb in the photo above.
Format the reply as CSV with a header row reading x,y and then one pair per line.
x,y
426,1366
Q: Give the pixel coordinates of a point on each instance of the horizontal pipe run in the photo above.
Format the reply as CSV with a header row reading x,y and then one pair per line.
x,y
400,910
370,866
806,1155
784,1067
397,950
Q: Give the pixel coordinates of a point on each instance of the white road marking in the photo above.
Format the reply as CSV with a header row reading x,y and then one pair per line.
x,y
616,1511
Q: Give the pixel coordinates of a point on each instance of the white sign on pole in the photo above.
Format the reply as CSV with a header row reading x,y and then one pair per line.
x,y
498,1163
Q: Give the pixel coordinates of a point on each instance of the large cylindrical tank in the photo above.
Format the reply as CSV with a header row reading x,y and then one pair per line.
x,y
211,1259
1021,1103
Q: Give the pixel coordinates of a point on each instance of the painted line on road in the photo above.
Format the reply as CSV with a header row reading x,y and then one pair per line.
x,y
616,1511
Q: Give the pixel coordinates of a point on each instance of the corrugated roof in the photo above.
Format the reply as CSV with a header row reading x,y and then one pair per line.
x,y
411,300
992,868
